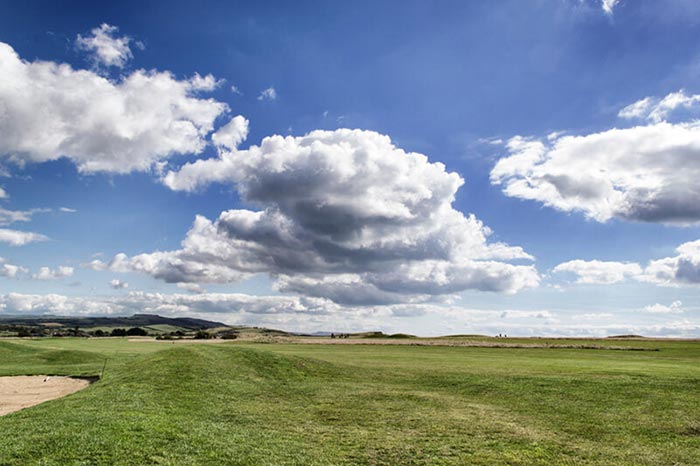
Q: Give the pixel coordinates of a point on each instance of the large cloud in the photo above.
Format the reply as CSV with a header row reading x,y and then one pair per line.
x,y
343,214
644,173
50,110
681,269
599,272
684,268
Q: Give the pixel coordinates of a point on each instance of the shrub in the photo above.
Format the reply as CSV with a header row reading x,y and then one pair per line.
x,y
202,335
118,332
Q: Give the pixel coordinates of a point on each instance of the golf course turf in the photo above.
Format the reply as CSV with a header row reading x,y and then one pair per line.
x,y
282,403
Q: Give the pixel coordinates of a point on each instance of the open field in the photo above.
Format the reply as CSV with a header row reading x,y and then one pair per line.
x,y
288,403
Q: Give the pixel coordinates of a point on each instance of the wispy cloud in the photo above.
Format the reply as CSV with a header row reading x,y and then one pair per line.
x,y
268,94
118,284
105,47
609,5
20,238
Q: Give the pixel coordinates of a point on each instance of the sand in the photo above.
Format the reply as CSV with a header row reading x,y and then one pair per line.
x,y
28,390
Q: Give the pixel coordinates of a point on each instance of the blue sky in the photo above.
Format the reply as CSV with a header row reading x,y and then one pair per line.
x,y
568,128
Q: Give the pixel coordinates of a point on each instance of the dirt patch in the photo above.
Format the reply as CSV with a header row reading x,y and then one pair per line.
x,y
28,390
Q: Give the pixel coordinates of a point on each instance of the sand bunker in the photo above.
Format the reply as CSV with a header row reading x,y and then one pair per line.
x,y
28,390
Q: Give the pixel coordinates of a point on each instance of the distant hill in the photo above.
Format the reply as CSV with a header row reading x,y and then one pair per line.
x,y
137,320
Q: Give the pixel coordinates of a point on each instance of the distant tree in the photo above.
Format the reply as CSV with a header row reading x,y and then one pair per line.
x,y
99,333
136,332
118,332
202,335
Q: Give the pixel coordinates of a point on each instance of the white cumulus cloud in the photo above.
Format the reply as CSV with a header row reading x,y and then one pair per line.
x,y
674,308
344,215
46,273
643,173
599,272
231,134
682,269
49,110
10,270
679,270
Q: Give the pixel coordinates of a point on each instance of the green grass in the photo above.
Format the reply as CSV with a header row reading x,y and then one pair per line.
x,y
274,404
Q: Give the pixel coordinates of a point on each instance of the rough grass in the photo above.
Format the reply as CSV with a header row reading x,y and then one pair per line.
x,y
343,404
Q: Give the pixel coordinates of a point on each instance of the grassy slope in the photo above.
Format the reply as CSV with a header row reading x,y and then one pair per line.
x,y
311,404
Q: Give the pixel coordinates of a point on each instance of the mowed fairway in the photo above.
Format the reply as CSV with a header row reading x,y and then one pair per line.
x,y
236,403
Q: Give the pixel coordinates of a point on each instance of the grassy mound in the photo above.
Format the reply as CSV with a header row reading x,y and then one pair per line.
x,y
21,359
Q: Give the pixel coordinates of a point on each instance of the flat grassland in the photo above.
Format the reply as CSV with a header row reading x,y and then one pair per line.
x,y
293,403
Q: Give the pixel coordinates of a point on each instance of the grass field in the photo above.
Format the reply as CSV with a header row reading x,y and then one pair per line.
x,y
245,403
